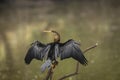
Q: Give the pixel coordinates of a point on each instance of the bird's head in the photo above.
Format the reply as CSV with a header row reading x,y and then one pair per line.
x,y
55,34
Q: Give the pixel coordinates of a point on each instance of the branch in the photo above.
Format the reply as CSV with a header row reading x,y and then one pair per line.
x,y
49,74
89,48
77,65
50,71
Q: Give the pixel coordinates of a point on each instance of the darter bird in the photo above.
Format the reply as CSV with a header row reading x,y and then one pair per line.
x,y
51,51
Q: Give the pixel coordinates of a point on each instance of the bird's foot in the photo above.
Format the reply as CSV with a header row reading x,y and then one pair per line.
x,y
54,64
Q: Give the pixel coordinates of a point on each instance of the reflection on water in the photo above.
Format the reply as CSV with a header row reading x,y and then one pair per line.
x,y
22,22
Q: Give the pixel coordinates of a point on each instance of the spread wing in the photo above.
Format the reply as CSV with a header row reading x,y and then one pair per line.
x,y
71,49
36,51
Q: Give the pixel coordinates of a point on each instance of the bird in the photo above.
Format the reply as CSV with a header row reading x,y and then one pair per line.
x,y
51,51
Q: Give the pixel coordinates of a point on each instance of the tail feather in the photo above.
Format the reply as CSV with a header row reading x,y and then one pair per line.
x,y
46,65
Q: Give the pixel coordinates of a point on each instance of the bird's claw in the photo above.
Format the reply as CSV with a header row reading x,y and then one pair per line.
x,y
53,65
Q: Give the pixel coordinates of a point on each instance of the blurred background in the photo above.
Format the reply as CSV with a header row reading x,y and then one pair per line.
x,y
88,21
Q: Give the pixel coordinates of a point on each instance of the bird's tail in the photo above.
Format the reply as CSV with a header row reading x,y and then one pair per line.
x,y
46,65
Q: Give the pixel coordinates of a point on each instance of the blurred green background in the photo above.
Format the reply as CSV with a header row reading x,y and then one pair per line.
x,y
88,21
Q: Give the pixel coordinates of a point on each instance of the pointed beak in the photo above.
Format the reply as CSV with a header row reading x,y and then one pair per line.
x,y
47,31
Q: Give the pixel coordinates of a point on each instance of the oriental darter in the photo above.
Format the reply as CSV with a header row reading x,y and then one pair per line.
x,y
51,51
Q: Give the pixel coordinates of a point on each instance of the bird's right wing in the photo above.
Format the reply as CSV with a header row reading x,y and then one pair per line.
x,y
36,51
71,49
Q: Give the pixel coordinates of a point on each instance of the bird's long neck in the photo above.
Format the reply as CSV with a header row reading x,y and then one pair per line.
x,y
56,36
56,40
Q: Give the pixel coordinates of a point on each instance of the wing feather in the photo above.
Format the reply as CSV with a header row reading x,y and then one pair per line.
x,y
37,51
71,49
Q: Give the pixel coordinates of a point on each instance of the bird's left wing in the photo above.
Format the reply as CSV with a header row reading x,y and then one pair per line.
x,y
37,50
71,49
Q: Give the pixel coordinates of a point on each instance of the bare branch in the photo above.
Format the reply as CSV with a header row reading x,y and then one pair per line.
x,y
49,74
50,71
89,48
